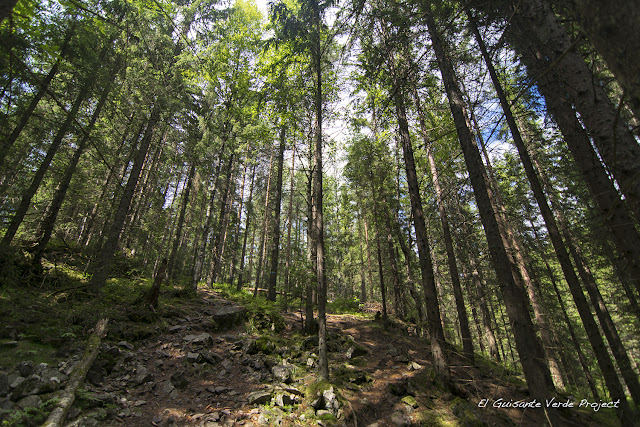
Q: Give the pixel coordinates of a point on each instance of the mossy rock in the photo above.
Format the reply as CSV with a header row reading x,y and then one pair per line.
x,y
349,374
264,345
466,413
410,401
316,388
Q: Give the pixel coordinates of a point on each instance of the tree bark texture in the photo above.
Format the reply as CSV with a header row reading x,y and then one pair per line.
x,y
530,350
275,251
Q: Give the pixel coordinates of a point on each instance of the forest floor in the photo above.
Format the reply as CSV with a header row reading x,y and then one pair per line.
x,y
212,360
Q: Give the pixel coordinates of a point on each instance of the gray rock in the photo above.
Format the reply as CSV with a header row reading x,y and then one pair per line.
x,y
281,399
413,366
31,401
4,384
356,351
96,374
218,390
331,402
126,345
142,374
292,390
26,368
26,387
199,339
227,364
194,357
259,397
73,413
399,419
6,404
211,357
228,317
282,374
164,387
16,382
179,380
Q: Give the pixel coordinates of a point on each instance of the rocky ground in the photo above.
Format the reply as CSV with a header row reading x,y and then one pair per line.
x,y
210,368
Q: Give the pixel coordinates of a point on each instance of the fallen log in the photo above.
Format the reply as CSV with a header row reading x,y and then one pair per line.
x,y
65,400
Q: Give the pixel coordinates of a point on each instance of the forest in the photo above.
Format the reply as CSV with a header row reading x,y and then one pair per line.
x,y
466,172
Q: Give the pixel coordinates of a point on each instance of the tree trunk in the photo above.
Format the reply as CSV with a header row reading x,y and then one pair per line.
x,y
151,297
236,237
316,56
383,289
479,286
562,73
287,266
613,28
248,213
102,266
463,319
223,223
25,202
85,234
200,247
436,333
600,351
42,89
59,413
183,210
216,261
363,287
369,268
275,251
606,323
537,33
51,214
529,349
576,344
265,223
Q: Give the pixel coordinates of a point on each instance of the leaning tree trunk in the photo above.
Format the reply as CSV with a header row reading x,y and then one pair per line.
x,y
480,290
434,322
463,319
42,89
604,361
574,340
562,74
606,323
613,28
25,202
102,266
51,214
530,350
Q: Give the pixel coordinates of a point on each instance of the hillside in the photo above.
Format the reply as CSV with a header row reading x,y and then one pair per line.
x,y
225,358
